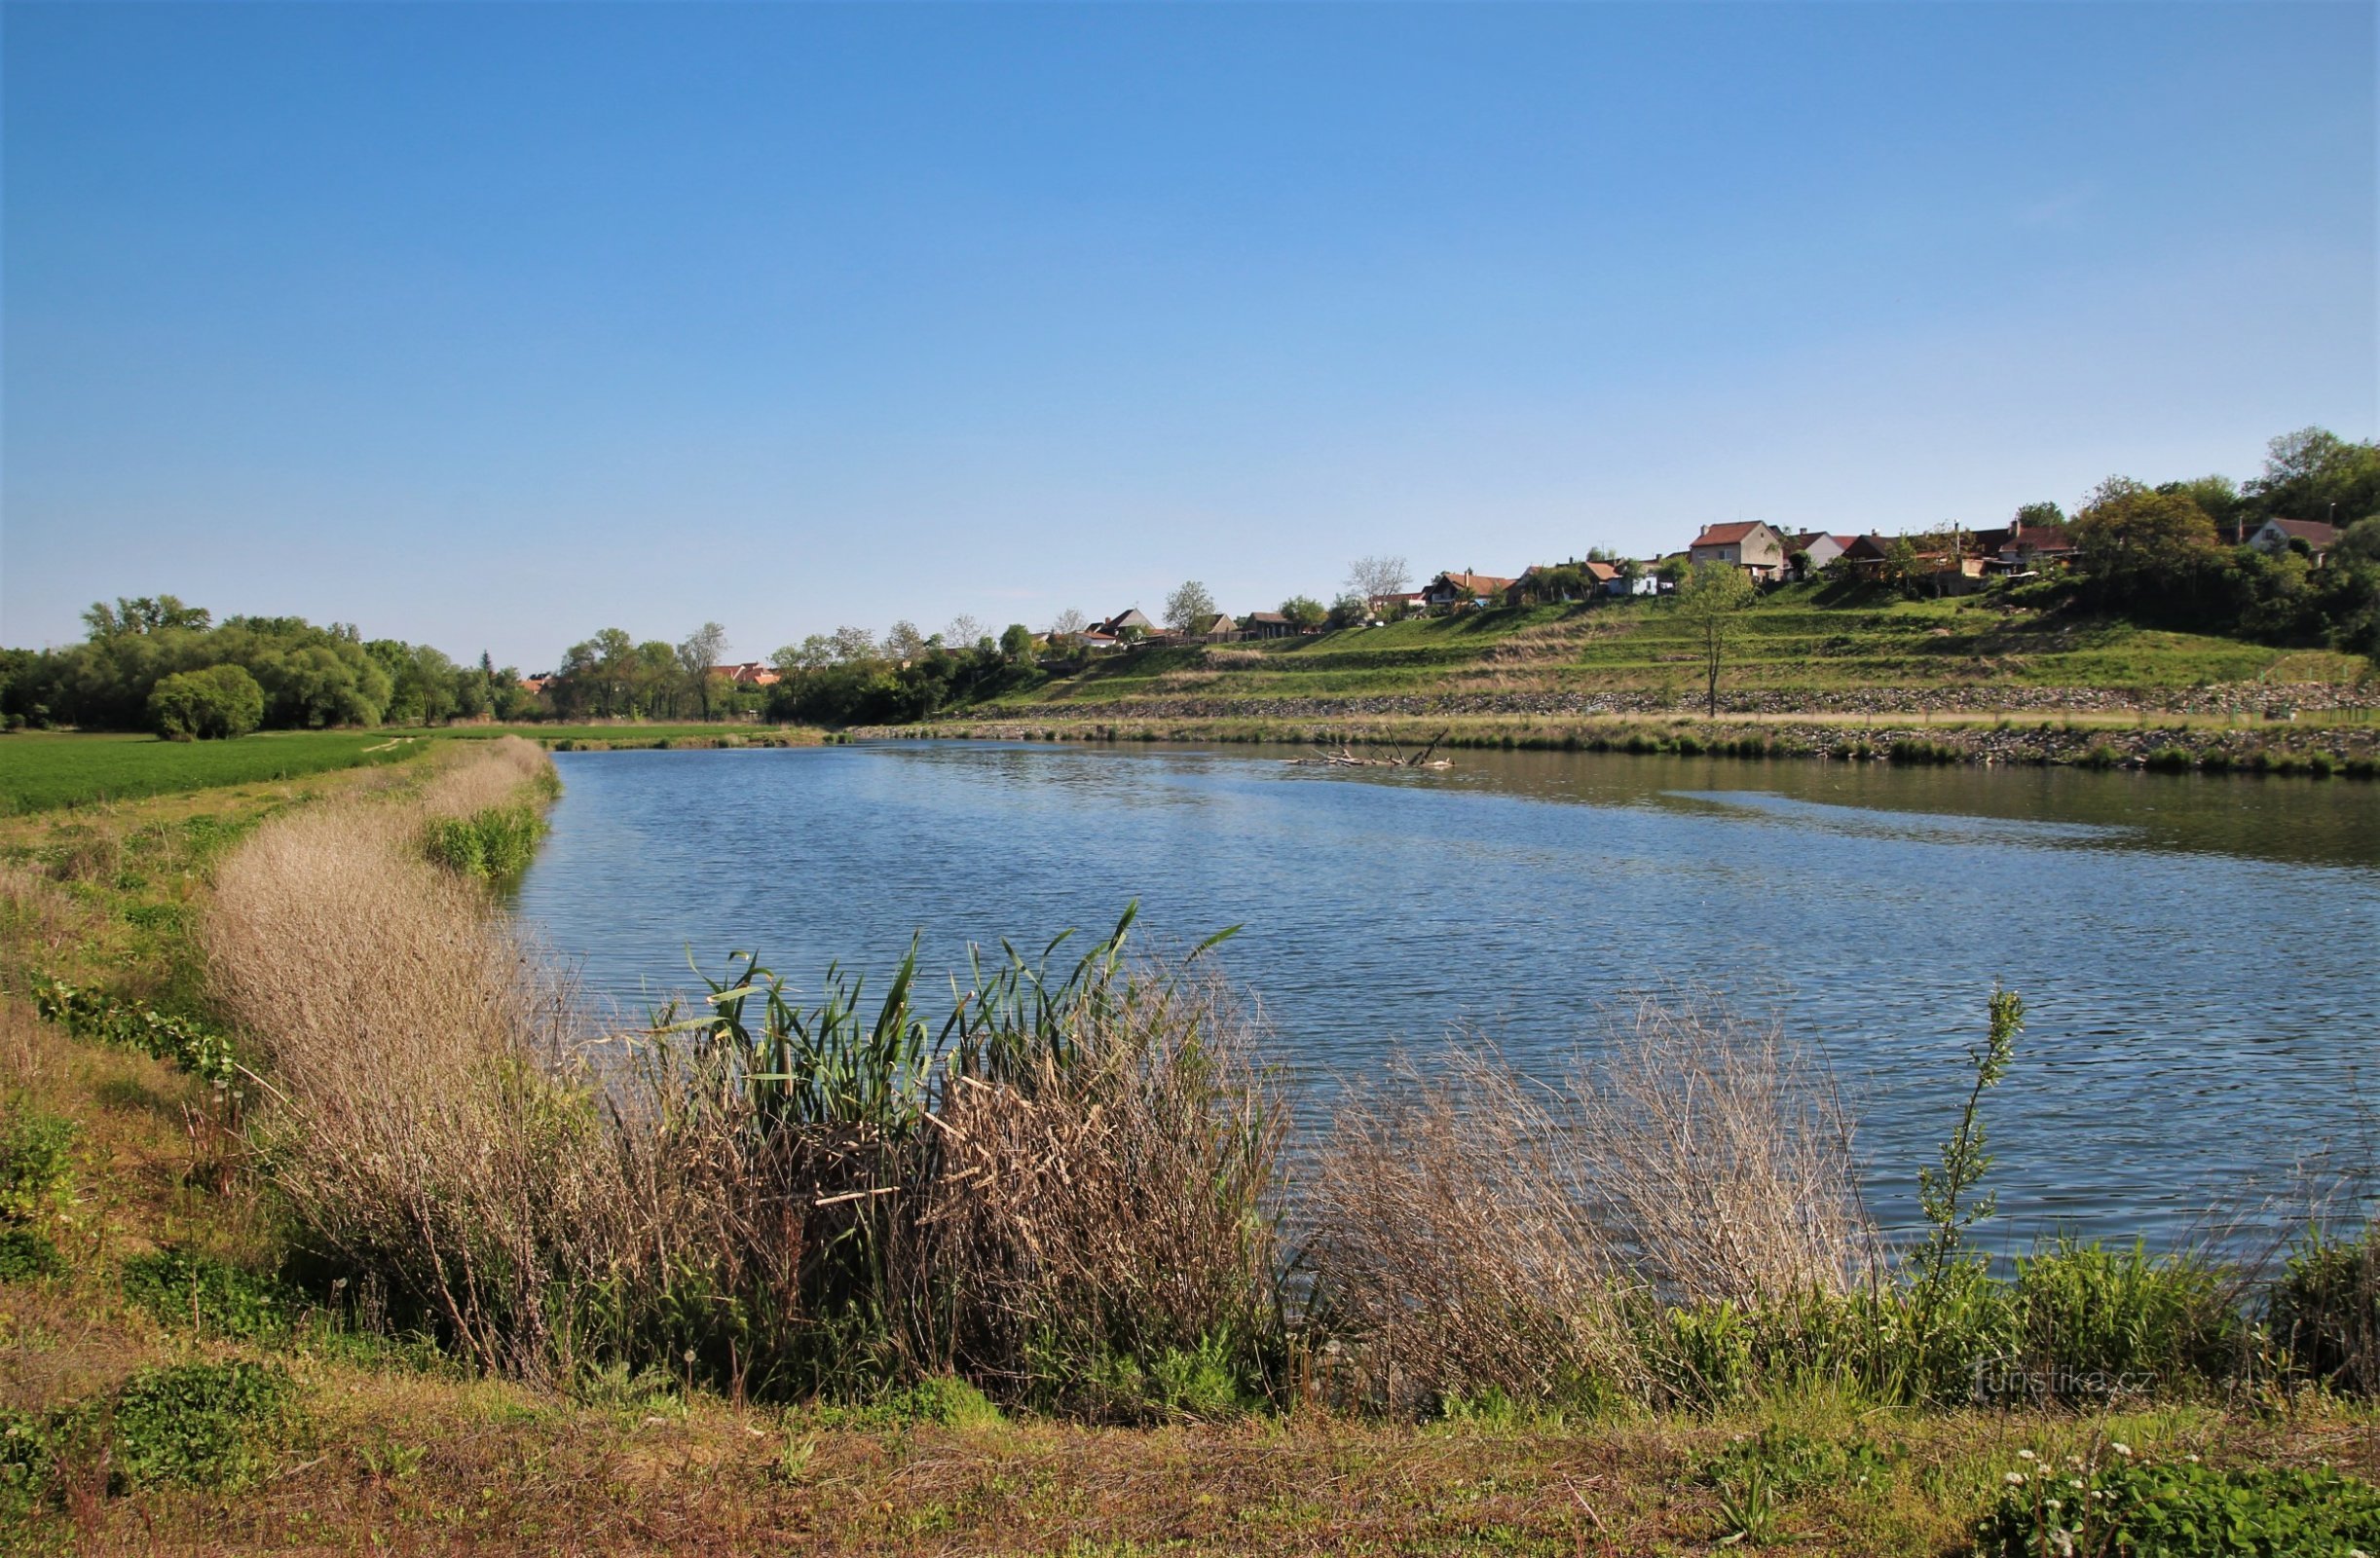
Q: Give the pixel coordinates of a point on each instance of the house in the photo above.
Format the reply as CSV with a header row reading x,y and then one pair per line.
x,y
2025,548
1452,590
1270,626
1867,555
1756,548
1093,642
1126,625
1220,628
1648,580
2275,535
748,674
1818,546
537,684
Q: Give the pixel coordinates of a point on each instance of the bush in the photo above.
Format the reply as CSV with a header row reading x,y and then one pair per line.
x,y
216,704
2170,759
26,1253
2095,1323
197,1046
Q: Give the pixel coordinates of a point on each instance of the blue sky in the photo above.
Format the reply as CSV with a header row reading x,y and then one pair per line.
x,y
494,325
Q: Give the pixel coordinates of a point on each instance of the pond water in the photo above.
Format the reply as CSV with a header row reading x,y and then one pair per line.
x,y
2200,954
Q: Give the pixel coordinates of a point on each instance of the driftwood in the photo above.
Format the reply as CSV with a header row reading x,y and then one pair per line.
x,y
1346,758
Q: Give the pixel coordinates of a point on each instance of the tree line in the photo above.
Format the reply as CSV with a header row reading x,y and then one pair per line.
x,y
157,663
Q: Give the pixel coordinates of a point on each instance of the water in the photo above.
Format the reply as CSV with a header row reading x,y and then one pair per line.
x,y
2200,956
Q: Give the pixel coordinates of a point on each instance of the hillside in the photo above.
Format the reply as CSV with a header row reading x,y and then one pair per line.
x,y
1804,648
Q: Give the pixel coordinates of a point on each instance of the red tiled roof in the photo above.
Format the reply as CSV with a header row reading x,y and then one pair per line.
x,y
2312,532
1726,535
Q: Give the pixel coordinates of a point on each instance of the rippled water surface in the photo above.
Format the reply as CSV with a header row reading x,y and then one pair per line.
x,y
2201,955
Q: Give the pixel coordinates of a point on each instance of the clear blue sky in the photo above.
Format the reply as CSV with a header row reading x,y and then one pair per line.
x,y
494,325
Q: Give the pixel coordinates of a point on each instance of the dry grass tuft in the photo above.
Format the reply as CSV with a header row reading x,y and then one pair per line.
x,y
1484,1231
1457,1249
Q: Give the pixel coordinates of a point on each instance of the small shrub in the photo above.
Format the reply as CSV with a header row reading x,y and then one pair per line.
x,y
196,1424
2170,759
213,1296
2321,764
2100,755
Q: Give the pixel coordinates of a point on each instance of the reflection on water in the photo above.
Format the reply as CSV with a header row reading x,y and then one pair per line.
x,y
2198,952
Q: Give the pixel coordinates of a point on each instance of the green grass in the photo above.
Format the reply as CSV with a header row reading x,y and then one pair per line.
x,y
41,770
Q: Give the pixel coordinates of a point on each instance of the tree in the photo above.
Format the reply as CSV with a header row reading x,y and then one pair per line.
x,y
1672,569
903,641
1350,609
1710,601
1902,565
213,704
964,633
1068,623
2040,515
1017,644
698,656
853,644
2313,473
146,614
2359,543
2135,543
1305,613
1376,578
1189,607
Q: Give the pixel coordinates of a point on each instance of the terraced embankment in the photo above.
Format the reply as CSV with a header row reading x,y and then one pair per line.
x,y
1950,681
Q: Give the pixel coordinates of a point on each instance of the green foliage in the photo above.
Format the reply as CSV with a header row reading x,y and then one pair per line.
x,y
197,1046
1758,1474
1305,613
214,704
492,846
214,1297
27,1253
1709,603
941,1400
2095,1323
196,1424
36,1161
2123,1507
1947,1194
2325,1311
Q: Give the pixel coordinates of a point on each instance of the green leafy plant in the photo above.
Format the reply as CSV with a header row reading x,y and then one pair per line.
x,y
36,1158
197,1424
197,1046
212,1296
2121,1505
493,845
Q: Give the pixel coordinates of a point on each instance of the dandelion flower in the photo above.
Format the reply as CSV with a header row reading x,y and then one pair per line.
x,y
2121,1448
2014,1479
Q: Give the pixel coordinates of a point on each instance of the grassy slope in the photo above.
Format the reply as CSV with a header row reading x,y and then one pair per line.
x,y
1798,640
388,1447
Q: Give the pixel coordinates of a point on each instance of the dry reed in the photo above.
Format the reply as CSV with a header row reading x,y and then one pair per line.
x,y
1483,1231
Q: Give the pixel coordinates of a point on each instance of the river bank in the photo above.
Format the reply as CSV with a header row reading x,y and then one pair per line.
x,y
2315,747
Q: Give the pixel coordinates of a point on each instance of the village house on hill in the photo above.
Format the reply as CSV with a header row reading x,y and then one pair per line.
x,y
1270,626
1452,589
2275,535
748,674
1818,546
1756,548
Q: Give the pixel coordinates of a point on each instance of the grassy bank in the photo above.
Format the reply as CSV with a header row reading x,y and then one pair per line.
x,y
816,1274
